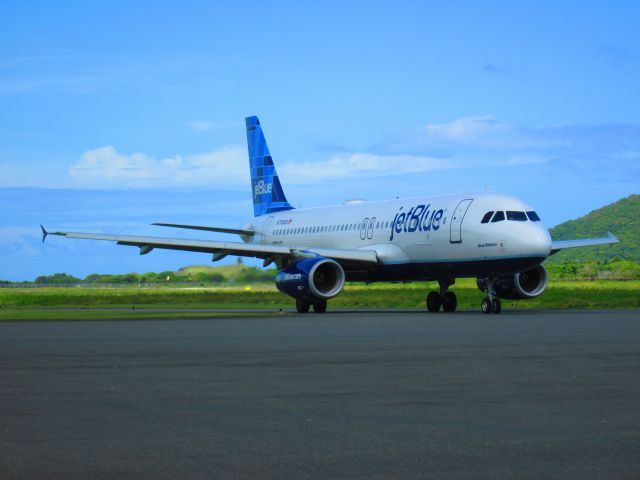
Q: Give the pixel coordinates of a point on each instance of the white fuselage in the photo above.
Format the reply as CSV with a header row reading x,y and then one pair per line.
x,y
418,238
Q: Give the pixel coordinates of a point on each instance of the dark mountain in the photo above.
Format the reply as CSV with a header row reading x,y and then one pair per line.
x,y
621,218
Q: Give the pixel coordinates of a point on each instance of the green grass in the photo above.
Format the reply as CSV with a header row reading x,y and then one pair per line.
x,y
126,302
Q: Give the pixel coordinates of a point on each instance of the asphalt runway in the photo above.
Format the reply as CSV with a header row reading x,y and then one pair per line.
x,y
359,394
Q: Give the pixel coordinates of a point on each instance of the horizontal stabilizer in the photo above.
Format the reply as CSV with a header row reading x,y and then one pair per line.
x,y
237,231
557,245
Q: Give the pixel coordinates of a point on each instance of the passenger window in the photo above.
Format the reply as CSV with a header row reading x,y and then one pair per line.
x,y
533,216
516,216
487,217
498,217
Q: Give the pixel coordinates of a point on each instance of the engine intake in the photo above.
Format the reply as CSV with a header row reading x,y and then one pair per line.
x,y
318,277
520,286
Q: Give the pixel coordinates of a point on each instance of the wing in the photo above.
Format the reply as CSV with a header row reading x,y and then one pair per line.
x,y
557,245
220,250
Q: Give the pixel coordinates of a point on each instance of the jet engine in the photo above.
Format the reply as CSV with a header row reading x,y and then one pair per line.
x,y
520,286
312,278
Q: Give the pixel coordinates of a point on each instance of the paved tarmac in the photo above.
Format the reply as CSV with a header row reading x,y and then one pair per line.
x,y
375,394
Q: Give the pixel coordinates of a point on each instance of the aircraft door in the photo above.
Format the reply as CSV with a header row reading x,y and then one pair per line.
x,y
363,229
456,220
372,223
265,228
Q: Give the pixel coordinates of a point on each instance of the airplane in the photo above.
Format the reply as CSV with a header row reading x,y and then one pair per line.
x,y
497,239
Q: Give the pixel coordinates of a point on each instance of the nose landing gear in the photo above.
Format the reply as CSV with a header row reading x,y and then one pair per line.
x,y
491,303
491,306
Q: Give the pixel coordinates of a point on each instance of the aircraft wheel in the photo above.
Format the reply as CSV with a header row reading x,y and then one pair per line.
x,y
320,306
434,302
302,305
486,306
449,302
496,305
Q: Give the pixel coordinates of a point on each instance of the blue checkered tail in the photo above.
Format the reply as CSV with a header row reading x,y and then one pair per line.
x,y
268,196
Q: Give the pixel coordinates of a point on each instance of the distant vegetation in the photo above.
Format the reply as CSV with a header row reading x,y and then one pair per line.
x,y
199,275
607,270
239,275
622,218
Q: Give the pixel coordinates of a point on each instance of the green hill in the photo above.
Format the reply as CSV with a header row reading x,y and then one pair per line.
x,y
621,218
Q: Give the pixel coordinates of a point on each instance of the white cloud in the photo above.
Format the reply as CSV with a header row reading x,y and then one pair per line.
x,y
483,140
105,166
467,130
201,125
527,159
20,240
483,132
359,165
463,143
207,125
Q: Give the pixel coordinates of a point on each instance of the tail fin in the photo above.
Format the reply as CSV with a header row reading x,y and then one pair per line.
x,y
268,196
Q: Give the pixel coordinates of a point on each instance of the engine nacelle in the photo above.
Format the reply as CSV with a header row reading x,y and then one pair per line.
x,y
519,286
320,278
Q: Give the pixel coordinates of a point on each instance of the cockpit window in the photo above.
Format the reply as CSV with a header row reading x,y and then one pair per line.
x,y
498,217
516,216
533,216
487,217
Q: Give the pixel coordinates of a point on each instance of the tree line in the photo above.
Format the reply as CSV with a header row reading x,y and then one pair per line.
x,y
616,269
243,276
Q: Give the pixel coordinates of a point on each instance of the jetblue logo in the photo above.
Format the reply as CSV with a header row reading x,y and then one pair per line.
x,y
261,188
292,276
418,218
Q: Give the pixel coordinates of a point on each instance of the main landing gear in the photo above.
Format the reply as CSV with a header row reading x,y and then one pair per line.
x,y
491,303
303,305
445,299
448,302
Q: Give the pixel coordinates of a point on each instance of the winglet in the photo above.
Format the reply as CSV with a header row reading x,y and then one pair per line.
x,y
44,233
613,237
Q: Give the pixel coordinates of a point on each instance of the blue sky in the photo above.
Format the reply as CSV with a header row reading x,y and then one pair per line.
x,y
115,115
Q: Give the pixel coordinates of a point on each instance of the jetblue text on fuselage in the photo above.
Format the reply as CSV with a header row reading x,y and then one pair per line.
x,y
418,218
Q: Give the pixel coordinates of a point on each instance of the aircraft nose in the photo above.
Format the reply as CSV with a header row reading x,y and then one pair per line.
x,y
539,241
